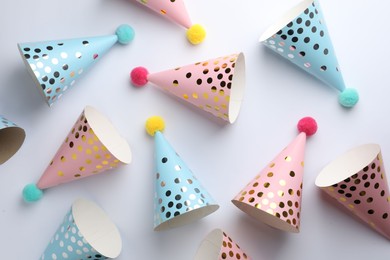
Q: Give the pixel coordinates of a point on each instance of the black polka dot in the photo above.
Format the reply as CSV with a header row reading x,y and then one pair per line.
x,y
322,33
27,56
348,195
302,53
356,202
227,71
365,176
36,57
284,37
376,186
26,49
323,68
314,29
168,214
49,48
199,81
168,193
290,24
311,15
370,211
37,50
178,197
179,205
300,30
290,32
352,188
220,76
43,86
45,78
170,204
306,11
164,160
306,40
316,46
326,51
188,75
52,81
56,74
222,84
294,39
279,32
65,67
299,20
307,23
384,216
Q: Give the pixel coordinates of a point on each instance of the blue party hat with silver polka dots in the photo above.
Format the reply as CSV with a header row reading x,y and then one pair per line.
x,y
302,37
180,198
56,65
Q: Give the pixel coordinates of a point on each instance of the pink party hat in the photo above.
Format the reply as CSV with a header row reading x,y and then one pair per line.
x,y
92,146
357,180
274,196
215,86
219,246
176,11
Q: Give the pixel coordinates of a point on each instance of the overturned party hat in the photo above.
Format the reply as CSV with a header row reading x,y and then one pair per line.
x,y
357,180
56,65
215,86
92,146
86,233
179,197
11,139
274,196
175,10
302,37
219,246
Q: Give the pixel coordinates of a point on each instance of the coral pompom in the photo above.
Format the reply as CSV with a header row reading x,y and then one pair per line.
x,y
349,97
139,76
154,124
125,34
196,34
307,125
32,193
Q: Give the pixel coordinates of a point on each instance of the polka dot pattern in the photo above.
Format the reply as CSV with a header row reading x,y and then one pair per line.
x,y
230,250
207,85
69,243
277,189
178,192
366,194
81,155
305,42
57,65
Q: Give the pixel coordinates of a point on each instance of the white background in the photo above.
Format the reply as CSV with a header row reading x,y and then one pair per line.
x,y
223,157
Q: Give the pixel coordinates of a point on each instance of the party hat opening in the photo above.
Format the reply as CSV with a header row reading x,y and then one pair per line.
x,y
11,139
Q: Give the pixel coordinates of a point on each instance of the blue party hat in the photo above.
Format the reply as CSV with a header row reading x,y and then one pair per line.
x,y
11,139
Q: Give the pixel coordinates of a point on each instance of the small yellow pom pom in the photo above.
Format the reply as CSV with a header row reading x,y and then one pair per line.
x,y
196,34
154,124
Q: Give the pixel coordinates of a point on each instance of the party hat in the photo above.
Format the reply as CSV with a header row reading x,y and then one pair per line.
x,y
215,86
302,37
176,11
56,65
86,233
274,195
219,246
357,180
179,197
11,139
92,146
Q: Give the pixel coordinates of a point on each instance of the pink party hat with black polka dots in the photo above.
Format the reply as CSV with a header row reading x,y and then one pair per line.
x,y
301,37
92,146
215,86
274,196
357,180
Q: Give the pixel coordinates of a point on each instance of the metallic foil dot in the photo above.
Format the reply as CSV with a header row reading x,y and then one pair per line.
x,y
258,205
78,55
85,43
189,181
288,158
270,174
64,55
164,159
281,205
162,184
255,184
177,167
192,197
260,194
187,203
266,185
184,189
292,173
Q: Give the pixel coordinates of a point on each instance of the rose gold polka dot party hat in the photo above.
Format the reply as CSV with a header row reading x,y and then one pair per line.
x,y
301,37
92,146
176,11
11,139
56,65
215,86
217,245
274,196
357,180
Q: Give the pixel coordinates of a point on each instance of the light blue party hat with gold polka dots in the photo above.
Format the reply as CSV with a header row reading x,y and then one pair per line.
x,y
302,37
180,198
56,65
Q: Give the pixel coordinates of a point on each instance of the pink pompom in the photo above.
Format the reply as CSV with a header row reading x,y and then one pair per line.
x,y
307,125
139,76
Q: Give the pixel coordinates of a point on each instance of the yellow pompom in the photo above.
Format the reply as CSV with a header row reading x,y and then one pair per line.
x,y
196,34
154,124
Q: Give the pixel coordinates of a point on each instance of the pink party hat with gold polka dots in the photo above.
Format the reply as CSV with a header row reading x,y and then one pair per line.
x,y
56,65
176,11
92,146
274,196
301,36
215,86
217,245
357,180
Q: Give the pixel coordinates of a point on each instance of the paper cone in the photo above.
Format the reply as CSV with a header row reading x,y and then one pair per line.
x,y
215,86
357,180
86,233
302,37
274,196
180,197
11,139
56,65
219,246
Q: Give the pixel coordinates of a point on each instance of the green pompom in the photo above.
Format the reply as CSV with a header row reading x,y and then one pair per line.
x,y
125,33
349,97
32,193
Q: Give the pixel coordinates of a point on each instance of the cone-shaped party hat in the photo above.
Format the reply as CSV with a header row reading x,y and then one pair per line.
x,y
357,180
219,246
215,86
56,65
92,146
179,197
175,10
11,139
86,233
302,37
274,195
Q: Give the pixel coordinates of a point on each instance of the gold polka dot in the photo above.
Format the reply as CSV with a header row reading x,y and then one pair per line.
x,y
108,156
74,156
84,138
103,148
251,199
116,161
88,151
342,199
90,141
77,175
251,192
282,183
104,162
288,158
270,195
280,193
221,92
265,201
331,189
258,205
270,174
243,193
185,96
195,95
241,199
82,168
227,98
88,161
205,95
162,184
272,205
60,173
80,148
175,83
98,156
95,148
302,163
351,206
99,166
291,192
63,159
